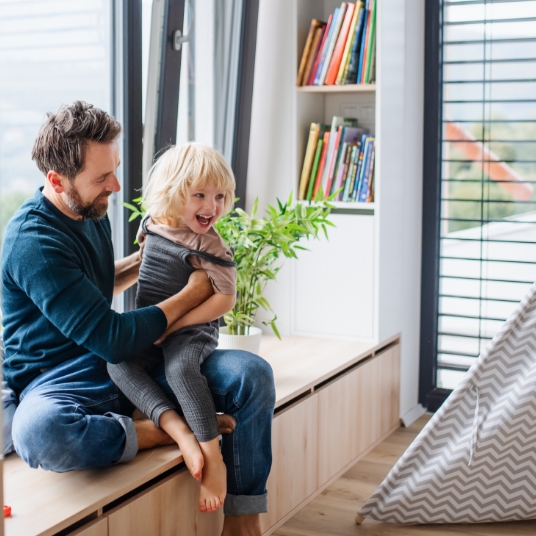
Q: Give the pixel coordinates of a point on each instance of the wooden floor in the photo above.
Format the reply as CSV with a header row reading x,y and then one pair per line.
x,y
334,510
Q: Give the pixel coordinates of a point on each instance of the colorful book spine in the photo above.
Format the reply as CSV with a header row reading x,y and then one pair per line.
x,y
353,65
340,46
343,68
325,45
318,53
319,33
340,169
370,45
314,171
351,174
364,189
355,190
332,42
363,45
318,182
307,50
314,132
344,176
333,162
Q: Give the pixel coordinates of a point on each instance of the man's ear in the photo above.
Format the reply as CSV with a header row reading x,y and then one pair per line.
x,y
57,181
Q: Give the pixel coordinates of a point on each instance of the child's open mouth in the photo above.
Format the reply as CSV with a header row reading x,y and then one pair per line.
x,y
204,221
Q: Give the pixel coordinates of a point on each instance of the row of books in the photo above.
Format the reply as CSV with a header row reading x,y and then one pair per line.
x,y
338,158
341,50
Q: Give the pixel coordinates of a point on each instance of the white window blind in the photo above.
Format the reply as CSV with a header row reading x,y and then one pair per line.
x,y
488,175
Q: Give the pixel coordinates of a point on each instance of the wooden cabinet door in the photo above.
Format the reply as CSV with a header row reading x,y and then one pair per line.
x,y
355,411
99,527
293,477
169,508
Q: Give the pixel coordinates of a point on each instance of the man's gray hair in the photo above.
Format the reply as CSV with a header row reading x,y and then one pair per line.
x,y
62,139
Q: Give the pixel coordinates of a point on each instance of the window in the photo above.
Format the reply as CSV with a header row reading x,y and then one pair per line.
x,y
52,52
486,199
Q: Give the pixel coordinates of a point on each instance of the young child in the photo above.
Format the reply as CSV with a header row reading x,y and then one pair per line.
x,y
189,188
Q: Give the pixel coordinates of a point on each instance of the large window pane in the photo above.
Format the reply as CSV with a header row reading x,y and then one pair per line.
x,y
52,52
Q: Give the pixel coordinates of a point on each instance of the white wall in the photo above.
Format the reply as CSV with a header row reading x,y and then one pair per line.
x,y
273,164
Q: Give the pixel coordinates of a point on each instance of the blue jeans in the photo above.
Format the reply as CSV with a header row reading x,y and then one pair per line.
x,y
74,417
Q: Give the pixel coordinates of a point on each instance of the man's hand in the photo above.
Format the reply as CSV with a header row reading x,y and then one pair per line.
x,y
193,294
126,272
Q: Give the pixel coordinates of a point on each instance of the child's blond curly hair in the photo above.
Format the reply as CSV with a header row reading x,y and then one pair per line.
x,y
181,168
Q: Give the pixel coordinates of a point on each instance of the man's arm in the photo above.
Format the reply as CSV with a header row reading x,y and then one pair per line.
x,y
126,272
210,309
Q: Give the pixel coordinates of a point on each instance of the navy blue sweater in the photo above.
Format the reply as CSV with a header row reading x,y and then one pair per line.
x,y
57,287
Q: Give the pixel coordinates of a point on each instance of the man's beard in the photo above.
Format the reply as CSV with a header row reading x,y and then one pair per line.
x,y
93,211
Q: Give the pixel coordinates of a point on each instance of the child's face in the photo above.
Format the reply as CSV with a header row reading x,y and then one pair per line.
x,y
203,208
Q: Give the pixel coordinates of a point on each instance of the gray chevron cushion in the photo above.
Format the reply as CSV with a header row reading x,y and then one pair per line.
x,y
475,461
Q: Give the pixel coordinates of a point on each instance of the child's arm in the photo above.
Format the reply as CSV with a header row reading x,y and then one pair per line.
x,y
217,305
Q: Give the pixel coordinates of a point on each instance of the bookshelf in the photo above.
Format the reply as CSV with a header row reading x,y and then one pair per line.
x,y
364,283
349,88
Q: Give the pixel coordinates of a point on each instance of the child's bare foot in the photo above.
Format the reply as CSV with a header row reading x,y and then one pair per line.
x,y
226,423
214,482
193,457
177,428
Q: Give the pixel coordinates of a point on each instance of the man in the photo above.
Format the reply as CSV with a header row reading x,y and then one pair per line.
x,y
58,279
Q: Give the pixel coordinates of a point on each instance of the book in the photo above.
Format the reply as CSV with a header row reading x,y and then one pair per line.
x,y
349,135
370,198
353,176
316,162
363,51
357,181
344,175
318,181
312,141
331,44
341,154
342,170
353,64
350,175
364,188
324,48
315,25
317,40
336,122
343,68
340,45
370,44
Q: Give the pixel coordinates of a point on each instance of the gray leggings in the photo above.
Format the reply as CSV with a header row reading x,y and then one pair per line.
x,y
184,352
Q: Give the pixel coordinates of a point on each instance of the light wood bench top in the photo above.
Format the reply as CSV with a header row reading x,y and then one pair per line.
x,y
44,502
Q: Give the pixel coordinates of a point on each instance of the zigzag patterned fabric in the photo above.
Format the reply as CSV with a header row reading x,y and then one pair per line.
x,y
475,461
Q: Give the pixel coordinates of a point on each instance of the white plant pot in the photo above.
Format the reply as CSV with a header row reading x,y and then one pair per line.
x,y
250,343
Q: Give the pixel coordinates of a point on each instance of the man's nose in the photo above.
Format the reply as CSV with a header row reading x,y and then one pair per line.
x,y
114,185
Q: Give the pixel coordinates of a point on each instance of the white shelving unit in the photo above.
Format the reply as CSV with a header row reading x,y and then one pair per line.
x,y
364,284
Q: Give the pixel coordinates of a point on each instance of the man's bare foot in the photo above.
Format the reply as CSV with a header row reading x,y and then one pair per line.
x,y
226,423
214,482
149,435
248,525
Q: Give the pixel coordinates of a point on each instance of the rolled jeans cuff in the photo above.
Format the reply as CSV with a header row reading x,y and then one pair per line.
x,y
240,505
131,438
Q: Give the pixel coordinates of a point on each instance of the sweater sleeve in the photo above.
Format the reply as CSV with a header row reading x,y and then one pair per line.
x,y
49,272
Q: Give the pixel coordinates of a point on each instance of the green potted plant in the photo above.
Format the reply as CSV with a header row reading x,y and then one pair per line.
x,y
260,244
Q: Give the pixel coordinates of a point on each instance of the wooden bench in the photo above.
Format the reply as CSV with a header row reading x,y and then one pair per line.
x,y
336,400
